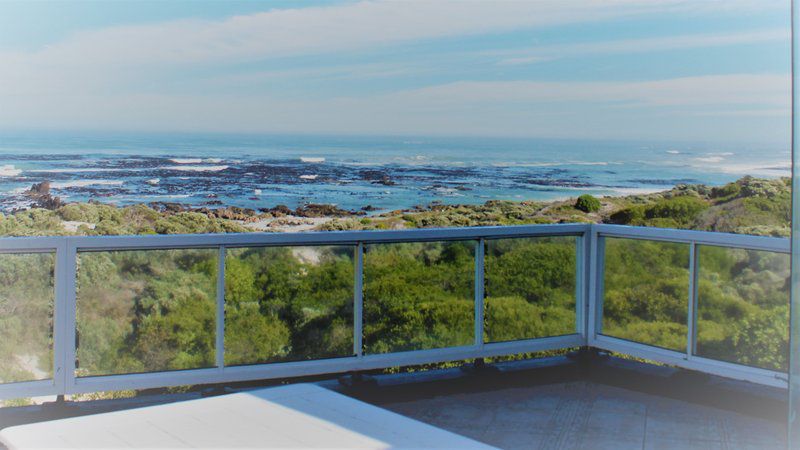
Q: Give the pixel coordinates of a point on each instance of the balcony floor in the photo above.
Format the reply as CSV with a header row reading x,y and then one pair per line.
x,y
589,415
607,404
537,404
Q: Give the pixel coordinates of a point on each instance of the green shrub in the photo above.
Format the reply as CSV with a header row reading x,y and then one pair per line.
x,y
682,210
587,203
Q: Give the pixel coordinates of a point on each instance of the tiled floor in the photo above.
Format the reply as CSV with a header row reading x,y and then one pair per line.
x,y
586,415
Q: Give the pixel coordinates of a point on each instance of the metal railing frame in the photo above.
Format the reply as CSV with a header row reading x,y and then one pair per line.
x,y
589,276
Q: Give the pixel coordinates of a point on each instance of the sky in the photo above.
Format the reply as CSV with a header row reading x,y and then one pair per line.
x,y
710,70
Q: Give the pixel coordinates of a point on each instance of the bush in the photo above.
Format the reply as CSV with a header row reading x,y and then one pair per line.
x,y
587,203
682,210
727,192
675,212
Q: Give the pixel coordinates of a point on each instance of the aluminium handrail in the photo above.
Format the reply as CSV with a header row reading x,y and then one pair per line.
x,y
589,267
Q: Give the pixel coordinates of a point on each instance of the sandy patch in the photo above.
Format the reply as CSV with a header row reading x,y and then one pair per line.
x,y
287,224
307,255
73,225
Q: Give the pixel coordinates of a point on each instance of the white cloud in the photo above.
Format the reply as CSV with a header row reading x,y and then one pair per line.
x,y
642,45
519,60
321,29
114,58
350,26
701,91
105,79
685,108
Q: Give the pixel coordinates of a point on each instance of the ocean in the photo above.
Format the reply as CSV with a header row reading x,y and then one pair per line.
x,y
352,172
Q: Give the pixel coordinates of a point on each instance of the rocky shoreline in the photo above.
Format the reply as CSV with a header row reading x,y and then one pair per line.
x,y
749,205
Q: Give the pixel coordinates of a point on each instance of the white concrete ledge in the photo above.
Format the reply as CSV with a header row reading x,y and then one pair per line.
x,y
293,416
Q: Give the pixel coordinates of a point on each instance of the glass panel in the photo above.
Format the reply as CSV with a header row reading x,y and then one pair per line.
x,y
530,288
27,298
743,306
646,292
288,303
146,310
418,296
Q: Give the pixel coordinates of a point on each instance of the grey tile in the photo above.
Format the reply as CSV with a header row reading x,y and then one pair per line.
x,y
525,439
535,419
754,446
465,430
546,402
585,415
616,424
463,414
622,405
699,428
606,441
668,408
681,444
747,430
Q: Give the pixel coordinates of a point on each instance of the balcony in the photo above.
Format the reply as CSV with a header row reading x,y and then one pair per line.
x,y
106,318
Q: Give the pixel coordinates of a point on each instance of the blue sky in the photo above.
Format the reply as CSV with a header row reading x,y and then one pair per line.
x,y
629,69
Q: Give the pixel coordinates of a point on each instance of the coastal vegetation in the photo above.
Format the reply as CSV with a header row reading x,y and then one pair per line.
x,y
587,203
746,206
153,310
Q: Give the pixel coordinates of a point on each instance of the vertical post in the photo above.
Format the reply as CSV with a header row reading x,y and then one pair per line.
x,y
220,333
580,286
358,302
691,318
60,339
68,314
793,427
596,271
480,274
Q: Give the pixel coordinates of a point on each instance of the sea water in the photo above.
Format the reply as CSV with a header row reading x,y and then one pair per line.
x,y
387,173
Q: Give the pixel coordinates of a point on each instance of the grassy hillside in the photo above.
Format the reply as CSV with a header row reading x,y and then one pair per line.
x,y
747,206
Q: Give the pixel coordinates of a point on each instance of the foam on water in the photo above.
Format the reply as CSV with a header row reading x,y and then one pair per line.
x,y
81,170
195,168
85,183
710,159
9,170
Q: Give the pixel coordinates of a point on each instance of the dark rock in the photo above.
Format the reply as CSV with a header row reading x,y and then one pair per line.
x,y
279,210
168,207
377,177
42,188
230,213
386,181
48,202
321,210
40,193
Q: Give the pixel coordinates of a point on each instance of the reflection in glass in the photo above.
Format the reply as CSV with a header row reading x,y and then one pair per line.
x,y
145,310
530,288
743,306
418,296
288,303
27,299
646,292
